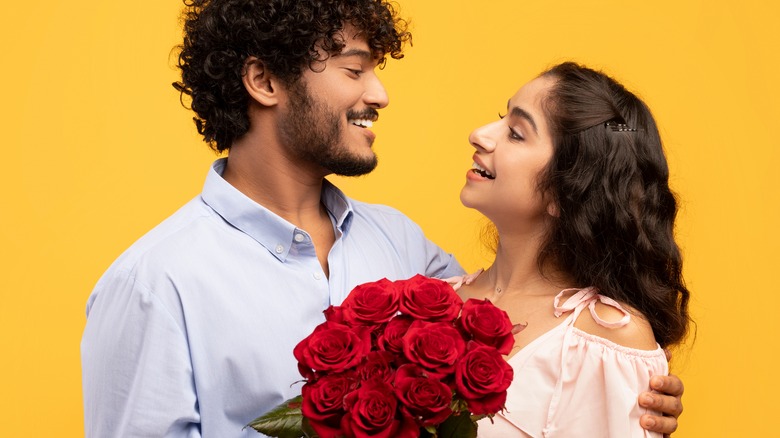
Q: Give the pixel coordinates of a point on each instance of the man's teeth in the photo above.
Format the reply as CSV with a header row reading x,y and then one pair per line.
x,y
363,123
482,172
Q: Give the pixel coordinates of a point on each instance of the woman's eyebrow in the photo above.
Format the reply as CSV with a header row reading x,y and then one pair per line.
x,y
516,111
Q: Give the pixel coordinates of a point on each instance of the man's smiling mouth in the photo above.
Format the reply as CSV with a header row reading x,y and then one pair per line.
x,y
364,118
363,123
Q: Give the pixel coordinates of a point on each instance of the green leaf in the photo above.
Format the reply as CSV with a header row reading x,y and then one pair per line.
x,y
309,431
459,405
475,418
284,421
458,426
428,431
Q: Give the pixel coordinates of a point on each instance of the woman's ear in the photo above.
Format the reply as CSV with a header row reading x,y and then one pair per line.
x,y
261,85
552,209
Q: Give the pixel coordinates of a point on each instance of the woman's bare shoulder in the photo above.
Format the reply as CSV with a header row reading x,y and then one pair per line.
x,y
637,333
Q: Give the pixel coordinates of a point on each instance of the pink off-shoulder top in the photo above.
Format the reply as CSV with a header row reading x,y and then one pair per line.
x,y
569,383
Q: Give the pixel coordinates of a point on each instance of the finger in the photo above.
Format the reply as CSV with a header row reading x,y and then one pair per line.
x,y
670,385
666,404
664,425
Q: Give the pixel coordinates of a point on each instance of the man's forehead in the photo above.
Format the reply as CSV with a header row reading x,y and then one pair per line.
x,y
356,44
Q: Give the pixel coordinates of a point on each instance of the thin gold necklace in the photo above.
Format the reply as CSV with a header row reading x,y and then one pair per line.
x,y
496,287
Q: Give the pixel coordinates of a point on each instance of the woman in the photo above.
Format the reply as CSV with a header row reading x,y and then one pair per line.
x,y
576,183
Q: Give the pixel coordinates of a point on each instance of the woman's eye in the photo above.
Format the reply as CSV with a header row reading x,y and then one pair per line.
x,y
513,135
354,72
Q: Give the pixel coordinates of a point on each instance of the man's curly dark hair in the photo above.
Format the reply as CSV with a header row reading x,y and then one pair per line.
x,y
219,36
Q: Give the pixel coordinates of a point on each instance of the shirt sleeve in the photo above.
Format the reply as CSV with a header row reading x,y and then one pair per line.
x,y
385,230
440,263
136,368
599,388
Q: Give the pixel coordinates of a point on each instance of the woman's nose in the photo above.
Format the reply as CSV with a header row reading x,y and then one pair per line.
x,y
484,137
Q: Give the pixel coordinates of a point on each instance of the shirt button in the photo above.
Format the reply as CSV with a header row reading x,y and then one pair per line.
x,y
299,238
279,249
317,276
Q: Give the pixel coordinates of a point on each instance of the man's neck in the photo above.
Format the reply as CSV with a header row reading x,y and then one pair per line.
x,y
290,189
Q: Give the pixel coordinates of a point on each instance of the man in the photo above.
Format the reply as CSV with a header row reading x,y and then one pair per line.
x,y
190,332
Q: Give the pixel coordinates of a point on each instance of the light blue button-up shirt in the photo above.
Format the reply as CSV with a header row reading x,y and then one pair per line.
x,y
190,332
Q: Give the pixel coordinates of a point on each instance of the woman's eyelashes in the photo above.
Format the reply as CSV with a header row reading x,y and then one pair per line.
x,y
514,135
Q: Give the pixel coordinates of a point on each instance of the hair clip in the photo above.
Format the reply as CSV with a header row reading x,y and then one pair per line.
x,y
618,127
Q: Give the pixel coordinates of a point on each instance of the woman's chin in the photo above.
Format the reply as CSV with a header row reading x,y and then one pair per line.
x,y
470,201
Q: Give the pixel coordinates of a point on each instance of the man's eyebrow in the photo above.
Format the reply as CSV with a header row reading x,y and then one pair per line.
x,y
365,54
519,112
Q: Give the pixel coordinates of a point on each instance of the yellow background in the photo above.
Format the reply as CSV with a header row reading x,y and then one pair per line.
x,y
97,150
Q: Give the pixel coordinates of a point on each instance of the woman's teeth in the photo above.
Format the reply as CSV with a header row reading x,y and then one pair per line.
x,y
482,172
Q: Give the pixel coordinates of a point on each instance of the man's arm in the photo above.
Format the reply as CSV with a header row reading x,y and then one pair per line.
x,y
668,401
439,263
137,374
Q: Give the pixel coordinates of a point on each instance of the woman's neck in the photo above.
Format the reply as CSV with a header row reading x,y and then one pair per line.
x,y
516,269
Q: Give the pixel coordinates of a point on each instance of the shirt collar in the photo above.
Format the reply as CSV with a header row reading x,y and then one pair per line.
x,y
338,205
274,233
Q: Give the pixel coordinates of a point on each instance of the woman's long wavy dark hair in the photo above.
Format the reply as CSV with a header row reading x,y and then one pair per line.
x,y
609,178
219,36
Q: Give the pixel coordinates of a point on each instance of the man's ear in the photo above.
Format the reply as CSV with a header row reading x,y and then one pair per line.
x,y
261,85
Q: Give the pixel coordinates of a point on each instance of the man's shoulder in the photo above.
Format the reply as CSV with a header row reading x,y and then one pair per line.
x,y
379,211
177,234
387,227
374,215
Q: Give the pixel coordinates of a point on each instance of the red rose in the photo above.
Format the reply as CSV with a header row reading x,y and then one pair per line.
x,y
376,366
435,346
488,324
371,303
332,347
429,299
372,411
482,377
391,339
323,402
334,314
424,398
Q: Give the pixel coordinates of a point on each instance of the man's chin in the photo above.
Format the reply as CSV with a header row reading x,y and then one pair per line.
x,y
354,167
355,172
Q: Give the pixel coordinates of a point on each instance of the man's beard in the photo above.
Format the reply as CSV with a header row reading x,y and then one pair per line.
x,y
314,133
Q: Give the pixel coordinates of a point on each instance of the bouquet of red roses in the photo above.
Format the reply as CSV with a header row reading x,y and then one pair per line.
x,y
399,359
